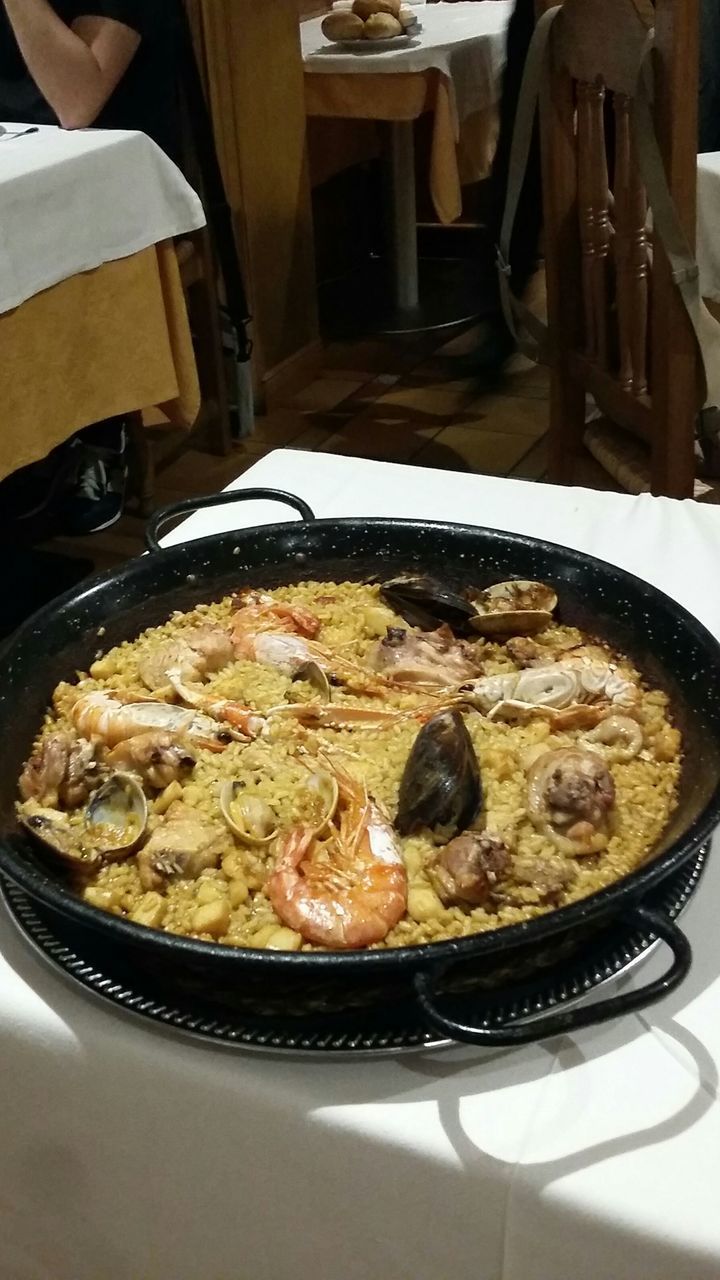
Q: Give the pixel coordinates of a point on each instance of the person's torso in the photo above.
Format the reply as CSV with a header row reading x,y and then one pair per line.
x,y
145,99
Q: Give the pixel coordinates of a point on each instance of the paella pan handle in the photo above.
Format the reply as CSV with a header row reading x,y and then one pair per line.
x,y
562,1023
164,514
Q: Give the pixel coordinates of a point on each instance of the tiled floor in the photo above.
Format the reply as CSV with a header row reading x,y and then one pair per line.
x,y
399,400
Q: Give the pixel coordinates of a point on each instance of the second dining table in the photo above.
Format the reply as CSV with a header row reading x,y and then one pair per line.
x,y
93,321
452,68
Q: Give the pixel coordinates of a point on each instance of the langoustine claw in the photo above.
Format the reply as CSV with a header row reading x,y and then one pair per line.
x,y
349,889
246,721
619,738
316,715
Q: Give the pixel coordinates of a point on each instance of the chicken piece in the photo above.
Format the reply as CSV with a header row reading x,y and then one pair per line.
x,y
182,846
469,868
60,772
547,878
213,647
194,655
580,789
526,652
431,658
156,756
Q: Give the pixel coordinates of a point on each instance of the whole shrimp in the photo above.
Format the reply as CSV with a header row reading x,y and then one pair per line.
x,y
350,888
258,611
283,636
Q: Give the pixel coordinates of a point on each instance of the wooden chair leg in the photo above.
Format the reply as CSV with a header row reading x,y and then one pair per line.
x,y
142,463
567,426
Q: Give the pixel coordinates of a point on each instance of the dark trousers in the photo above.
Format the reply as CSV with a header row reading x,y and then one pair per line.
x,y
526,235
709,121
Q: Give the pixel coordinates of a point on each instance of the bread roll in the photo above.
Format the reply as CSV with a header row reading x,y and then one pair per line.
x,y
342,25
368,8
382,26
407,17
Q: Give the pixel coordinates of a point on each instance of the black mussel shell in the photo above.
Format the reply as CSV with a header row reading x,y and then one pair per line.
x,y
441,787
427,604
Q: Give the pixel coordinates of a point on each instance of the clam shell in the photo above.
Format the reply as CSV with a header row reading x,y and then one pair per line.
x,y
517,607
325,793
116,817
313,674
53,829
114,822
248,816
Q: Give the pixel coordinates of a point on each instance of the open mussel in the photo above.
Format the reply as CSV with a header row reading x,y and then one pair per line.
x,y
513,608
249,817
109,828
427,604
440,787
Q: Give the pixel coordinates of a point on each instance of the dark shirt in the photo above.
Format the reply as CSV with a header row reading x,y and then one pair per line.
x,y
147,96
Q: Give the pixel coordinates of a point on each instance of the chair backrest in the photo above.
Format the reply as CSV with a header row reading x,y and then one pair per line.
x,y
617,325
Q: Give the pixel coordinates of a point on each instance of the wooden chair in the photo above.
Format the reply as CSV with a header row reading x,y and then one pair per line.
x,y
618,329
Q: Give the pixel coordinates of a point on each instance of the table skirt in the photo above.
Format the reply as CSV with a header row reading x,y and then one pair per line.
x,y
454,160
109,341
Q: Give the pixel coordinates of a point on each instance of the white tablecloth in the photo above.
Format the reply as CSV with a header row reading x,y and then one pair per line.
x,y
129,1156
465,41
71,201
708,224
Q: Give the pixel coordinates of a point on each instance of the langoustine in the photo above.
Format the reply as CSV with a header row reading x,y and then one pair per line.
x,y
283,637
101,716
348,889
575,693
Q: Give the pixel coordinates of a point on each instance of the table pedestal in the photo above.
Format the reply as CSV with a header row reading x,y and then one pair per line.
x,y
403,206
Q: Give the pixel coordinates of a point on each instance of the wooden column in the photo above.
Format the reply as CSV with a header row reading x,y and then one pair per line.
x,y
253,68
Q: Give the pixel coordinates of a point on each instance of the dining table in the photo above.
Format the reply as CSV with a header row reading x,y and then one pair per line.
x,y
130,1153
451,67
93,321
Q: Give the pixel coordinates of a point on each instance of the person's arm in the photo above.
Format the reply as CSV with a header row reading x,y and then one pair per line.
x,y
76,69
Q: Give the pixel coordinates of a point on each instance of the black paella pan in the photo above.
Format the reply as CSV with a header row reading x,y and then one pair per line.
x,y
666,643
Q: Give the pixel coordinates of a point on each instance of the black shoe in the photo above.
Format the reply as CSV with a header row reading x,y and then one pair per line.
x,y
30,493
95,500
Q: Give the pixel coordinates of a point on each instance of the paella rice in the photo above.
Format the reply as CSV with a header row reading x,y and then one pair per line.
x,y
561,798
